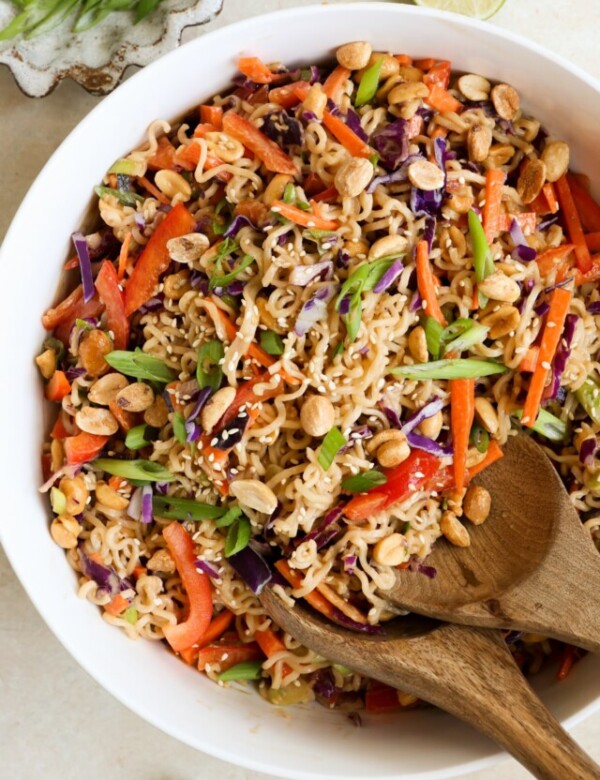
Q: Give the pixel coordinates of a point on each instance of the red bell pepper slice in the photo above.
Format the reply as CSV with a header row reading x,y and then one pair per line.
x,y
262,147
155,259
107,284
382,698
228,656
83,447
80,311
197,587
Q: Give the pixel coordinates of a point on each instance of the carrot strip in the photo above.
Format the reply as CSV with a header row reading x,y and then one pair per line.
x,y
314,598
58,386
289,95
305,218
163,156
154,191
255,70
593,275
573,224
559,307
425,63
267,151
462,413
551,258
71,263
550,195
587,208
123,256
529,362
494,453
593,241
440,99
212,115
119,484
566,663
438,73
494,182
117,605
270,644
347,137
335,81
403,59
218,625
426,284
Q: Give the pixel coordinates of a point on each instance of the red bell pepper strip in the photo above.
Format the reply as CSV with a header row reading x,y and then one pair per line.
x,y
212,115
262,147
107,284
155,259
228,656
197,588
83,447
438,74
587,208
382,698
58,386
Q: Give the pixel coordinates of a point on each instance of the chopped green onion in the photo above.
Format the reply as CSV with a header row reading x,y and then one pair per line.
x,y
229,517
173,508
136,437
289,193
223,281
140,366
128,167
220,227
126,197
332,444
131,615
406,527
338,350
374,159
453,368
461,335
208,369
479,438
360,483
56,346
354,318
83,324
144,470
547,425
179,428
271,342
483,261
238,536
58,501
302,204
368,84
433,335
247,670
345,670
588,396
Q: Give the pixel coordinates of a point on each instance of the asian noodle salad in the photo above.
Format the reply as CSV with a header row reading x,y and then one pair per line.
x,y
306,315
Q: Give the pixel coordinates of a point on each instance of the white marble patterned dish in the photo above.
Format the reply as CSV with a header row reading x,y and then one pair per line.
x,y
97,58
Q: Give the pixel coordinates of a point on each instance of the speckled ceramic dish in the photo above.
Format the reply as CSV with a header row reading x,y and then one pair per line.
x,y
97,58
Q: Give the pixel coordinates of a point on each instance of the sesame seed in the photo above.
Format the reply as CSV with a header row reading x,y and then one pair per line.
x,y
550,324
546,365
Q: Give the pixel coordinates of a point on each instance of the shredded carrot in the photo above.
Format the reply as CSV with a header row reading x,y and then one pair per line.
x,y
255,70
426,284
529,362
218,625
271,644
493,454
212,115
527,221
593,275
593,241
127,420
289,95
440,99
117,605
550,195
347,137
587,208
119,484
335,81
494,182
439,132
154,191
573,224
438,73
314,598
566,663
403,59
124,256
551,258
425,63
305,218
559,308
71,263
462,414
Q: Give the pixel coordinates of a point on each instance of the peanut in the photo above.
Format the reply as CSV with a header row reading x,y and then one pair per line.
x,y
454,530
479,141
105,389
501,322
425,175
157,415
93,419
432,426
317,415
187,249
353,176
162,561
109,498
417,345
355,55
254,494
474,87
506,101
486,414
315,101
531,180
215,408
500,287
172,184
176,285
407,91
75,492
64,529
94,345
136,397
477,504
556,159
392,550
388,245
46,362
393,452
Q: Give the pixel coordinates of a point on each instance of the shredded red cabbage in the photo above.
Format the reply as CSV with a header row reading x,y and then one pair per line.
x,y
418,442
237,224
314,310
252,568
416,302
302,275
391,144
548,222
106,578
362,432
429,232
522,250
562,355
146,513
353,122
425,203
233,434
350,563
433,407
85,266
564,283
389,277
330,518
208,568
284,129
588,450
594,308
202,398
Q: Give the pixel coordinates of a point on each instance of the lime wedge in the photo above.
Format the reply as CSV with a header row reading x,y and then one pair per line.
x,y
479,9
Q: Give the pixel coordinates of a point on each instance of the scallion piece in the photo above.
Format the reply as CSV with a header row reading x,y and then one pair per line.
x,y
433,335
588,396
140,366
360,483
547,425
332,444
223,281
247,670
127,167
368,84
173,508
131,615
229,517
289,193
126,197
238,536
479,438
461,335
136,437
179,428
453,368
143,470
271,342
483,262
220,227
208,369
58,501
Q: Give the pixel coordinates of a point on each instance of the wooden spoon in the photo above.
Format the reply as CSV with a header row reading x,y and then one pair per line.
x,y
531,566
468,672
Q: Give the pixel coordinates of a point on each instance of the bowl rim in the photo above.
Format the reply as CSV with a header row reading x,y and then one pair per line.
x,y
18,224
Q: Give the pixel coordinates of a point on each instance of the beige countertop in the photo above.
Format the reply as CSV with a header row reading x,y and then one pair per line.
x,y
55,721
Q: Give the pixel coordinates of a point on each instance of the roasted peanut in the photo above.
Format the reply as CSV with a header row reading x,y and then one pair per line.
x,y
75,492
157,415
162,561
216,407
57,454
317,415
499,287
409,90
461,201
454,530
187,249
531,180
254,494
356,247
506,101
105,389
410,73
486,414
172,184
224,146
94,345
500,154
501,322
417,345
528,129
315,101
276,187
455,500
479,141
425,175
432,426
556,159
176,285
136,397
392,550
474,87
93,419
457,237
477,504
355,55
387,246
389,67
353,176
46,362
382,437
64,529
109,497
394,452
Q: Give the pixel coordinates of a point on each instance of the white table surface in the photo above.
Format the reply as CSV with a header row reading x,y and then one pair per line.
x,y
55,721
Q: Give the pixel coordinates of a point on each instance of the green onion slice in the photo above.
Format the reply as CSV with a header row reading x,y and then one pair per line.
x,y
131,615
208,370
140,366
360,483
143,470
136,437
179,428
125,197
453,368
173,508
483,261
462,334
332,444
547,425
127,167
479,438
271,342
588,396
223,281
58,501
289,193
238,536
368,84
433,335
229,517
247,670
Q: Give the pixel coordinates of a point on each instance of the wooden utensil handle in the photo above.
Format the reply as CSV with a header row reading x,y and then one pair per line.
x,y
486,688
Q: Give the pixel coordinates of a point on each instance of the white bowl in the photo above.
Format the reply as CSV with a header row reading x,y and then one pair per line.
x,y
237,725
